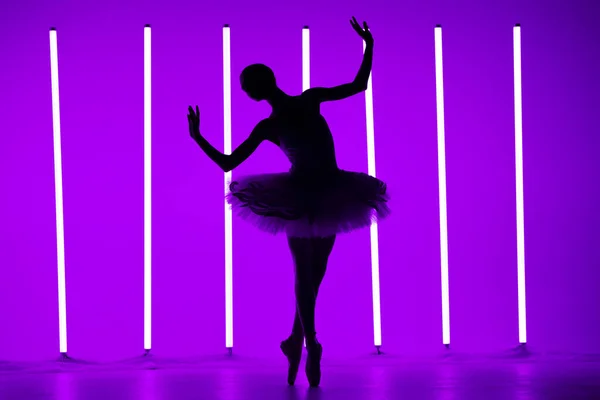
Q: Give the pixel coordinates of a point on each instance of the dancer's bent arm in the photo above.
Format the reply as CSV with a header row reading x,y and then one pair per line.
x,y
360,82
240,154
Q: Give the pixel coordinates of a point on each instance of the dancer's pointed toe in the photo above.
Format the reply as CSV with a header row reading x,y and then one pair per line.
x,y
292,349
313,364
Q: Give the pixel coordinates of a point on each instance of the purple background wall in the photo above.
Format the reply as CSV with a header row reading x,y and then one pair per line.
x,y
101,84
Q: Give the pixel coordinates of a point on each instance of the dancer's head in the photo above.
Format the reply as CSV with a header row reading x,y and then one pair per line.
x,y
258,81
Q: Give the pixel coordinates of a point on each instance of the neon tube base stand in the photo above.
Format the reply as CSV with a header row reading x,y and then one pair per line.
x,y
230,351
65,358
521,350
379,352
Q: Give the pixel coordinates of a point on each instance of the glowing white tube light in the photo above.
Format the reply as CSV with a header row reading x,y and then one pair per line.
x,y
305,68
439,85
58,188
228,218
374,231
147,190
305,58
519,180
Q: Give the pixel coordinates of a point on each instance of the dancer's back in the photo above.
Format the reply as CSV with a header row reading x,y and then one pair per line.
x,y
300,130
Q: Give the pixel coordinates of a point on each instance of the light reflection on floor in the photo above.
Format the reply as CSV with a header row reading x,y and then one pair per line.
x,y
374,377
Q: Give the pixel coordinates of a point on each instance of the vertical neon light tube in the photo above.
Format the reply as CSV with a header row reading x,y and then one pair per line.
x,y
228,219
58,191
374,231
305,58
305,67
441,143
147,190
519,180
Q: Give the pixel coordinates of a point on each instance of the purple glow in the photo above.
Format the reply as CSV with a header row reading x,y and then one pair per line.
x,y
102,86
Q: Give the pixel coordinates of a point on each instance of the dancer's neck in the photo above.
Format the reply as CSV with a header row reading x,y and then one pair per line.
x,y
277,99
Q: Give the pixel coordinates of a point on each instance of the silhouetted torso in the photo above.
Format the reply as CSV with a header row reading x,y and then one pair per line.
x,y
302,133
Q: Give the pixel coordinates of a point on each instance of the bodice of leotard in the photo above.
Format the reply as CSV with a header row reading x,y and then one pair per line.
x,y
305,138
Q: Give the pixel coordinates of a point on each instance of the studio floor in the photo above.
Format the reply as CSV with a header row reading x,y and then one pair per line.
x,y
370,377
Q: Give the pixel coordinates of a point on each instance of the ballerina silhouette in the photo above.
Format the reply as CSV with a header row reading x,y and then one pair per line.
x,y
311,203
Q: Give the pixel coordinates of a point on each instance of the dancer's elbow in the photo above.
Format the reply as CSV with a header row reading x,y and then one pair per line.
x,y
361,86
226,164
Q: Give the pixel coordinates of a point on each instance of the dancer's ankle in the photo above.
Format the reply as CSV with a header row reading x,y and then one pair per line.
x,y
296,337
311,340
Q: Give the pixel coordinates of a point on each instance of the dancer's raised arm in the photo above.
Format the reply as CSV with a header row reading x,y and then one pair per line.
x,y
359,84
239,155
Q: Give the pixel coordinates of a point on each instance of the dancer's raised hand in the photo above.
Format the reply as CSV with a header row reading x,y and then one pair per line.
x,y
364,32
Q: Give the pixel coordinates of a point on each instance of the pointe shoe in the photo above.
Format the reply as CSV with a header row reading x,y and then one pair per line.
x,y
292,349
313,364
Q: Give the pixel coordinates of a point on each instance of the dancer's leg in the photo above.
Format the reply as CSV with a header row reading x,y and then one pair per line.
x,y
302,253
292,347
310,264
321,249
297,332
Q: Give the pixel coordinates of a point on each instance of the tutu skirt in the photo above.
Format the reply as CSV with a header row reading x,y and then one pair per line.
x,y
309,205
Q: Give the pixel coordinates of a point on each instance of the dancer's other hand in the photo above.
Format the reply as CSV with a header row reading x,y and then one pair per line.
x,y
194,122
364,32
